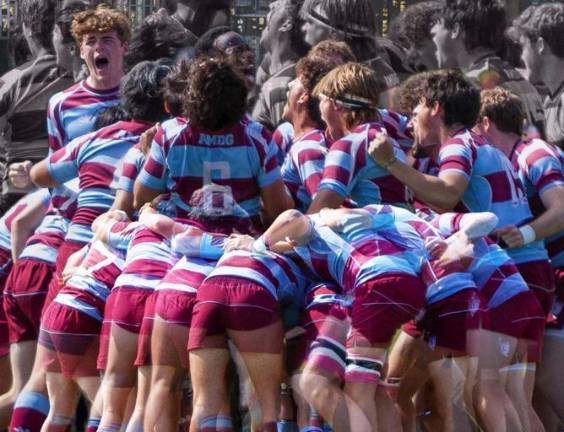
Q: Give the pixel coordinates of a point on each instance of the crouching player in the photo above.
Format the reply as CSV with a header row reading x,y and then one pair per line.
x,y
510,340
379,273
71,324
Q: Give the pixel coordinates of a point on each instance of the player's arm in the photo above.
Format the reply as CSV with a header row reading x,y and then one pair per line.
x,y
288,230
443,192
548,223
24,225
160,223
275,200
41,176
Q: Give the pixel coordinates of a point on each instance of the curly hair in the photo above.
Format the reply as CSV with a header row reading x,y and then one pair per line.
x,y
483,22
458,97
101,20
546,21
411,92
332,50
158,36
39,17
310,70
355,86
174,86
141,91
415,22
216,97
504,109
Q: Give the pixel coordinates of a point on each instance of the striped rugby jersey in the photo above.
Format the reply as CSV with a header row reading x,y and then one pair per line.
x,y
95,277
40,196
350,172
541,167
302,169
279,274
149,257
493,270
359,253
283,138
228,168
94,158
493,185
72,112
441,282
129,168
44,244
187,275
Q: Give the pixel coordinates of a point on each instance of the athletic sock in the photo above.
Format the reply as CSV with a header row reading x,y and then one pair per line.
x,y
30,411
93,424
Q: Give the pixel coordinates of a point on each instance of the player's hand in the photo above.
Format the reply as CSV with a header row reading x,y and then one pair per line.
x,y
381,149
511,235
436,247
147,138
238,242
18,174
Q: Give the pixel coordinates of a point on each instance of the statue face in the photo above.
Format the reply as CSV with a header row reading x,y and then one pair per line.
x,y
198,16
238,53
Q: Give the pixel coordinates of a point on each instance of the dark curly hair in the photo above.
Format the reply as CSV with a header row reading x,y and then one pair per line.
x,y
174,87
546,21
216,97
141,91
158,36
458,97
482,21
109,116
411,92
39,17
415,22
310,70
204,46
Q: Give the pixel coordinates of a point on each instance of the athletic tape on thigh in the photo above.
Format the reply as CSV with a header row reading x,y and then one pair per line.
x,y
363,369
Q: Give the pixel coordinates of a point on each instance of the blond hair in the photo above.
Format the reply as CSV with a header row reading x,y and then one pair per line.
x,y
100,20
355,87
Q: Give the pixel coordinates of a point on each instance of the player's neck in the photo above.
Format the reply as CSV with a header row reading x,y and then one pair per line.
x,y
447,132
303,125
104,83
505,142
552,72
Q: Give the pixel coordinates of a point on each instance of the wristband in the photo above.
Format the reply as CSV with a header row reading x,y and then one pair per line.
x,y
528,234
389,162
259,246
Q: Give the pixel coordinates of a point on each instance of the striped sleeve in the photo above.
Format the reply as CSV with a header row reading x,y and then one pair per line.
x,y
154,173
131,165
269,171
542,165
339,168
456,156
310,162
63,165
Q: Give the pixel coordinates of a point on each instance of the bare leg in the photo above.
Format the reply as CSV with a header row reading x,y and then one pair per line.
x,y
22,356
135,423
63,398
207,371
120,376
